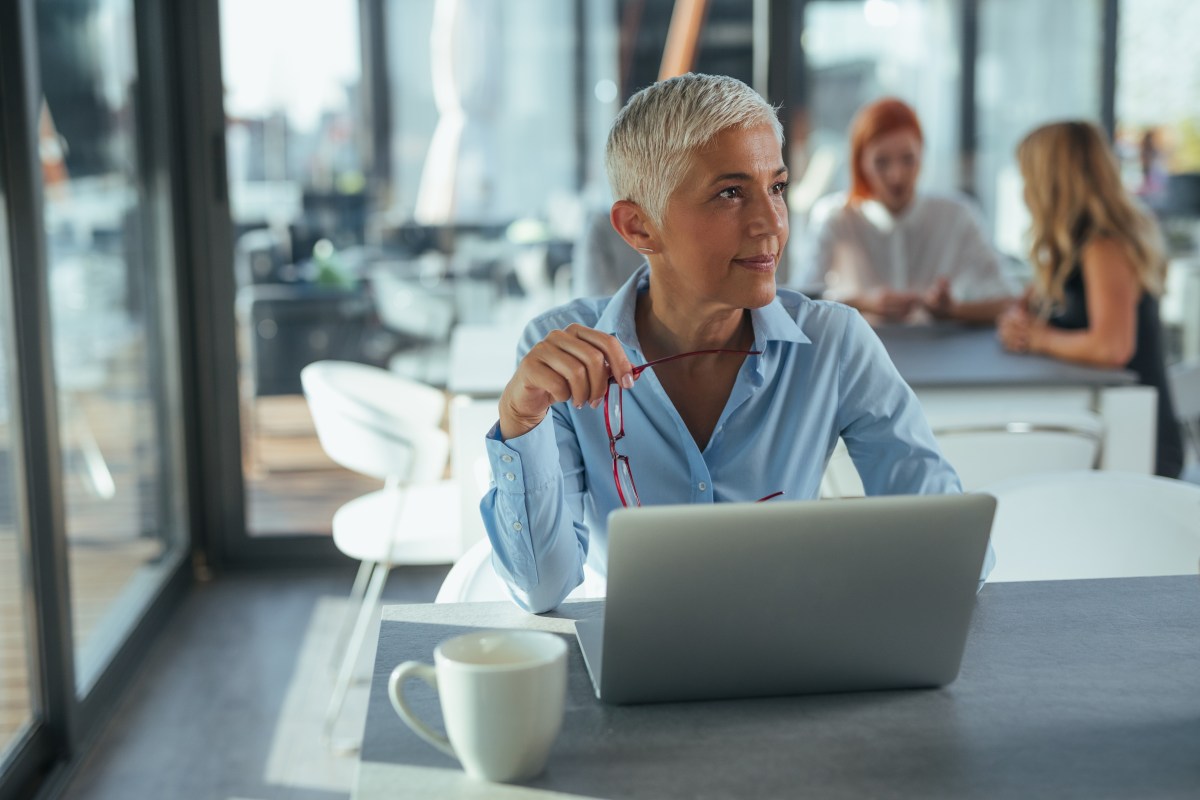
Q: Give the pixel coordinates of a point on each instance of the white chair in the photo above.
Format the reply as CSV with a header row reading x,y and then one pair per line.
x,y
473,580
1094,524
985,449
989,446
380,424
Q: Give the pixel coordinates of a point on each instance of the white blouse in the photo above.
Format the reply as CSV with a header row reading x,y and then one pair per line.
x,y
862,248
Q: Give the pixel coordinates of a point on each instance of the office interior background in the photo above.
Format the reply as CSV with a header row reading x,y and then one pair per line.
x,y
201,198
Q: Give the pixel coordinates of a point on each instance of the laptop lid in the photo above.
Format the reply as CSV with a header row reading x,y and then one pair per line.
x,y
758,599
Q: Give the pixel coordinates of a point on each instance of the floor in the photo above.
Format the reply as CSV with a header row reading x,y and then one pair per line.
x,y
233,711
292,487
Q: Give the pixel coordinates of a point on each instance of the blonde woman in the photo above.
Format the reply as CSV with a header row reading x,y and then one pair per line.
x,y
1098,269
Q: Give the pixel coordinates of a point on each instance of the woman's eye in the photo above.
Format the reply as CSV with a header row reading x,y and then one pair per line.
x,y
731,192
780,188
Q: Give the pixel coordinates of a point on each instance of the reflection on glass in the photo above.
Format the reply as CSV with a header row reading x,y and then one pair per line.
x,y
1158,142
1021,42
299,200
121,529
16,695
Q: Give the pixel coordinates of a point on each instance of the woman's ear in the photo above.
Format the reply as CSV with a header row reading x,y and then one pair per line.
x,y
634,225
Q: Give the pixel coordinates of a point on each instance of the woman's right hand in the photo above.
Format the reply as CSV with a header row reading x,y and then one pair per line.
x,y
573,364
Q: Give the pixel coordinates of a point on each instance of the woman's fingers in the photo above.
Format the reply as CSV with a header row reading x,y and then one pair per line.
x,y
571,365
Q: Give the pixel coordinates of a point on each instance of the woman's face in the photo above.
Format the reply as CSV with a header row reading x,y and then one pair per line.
x,y
891,164
726,223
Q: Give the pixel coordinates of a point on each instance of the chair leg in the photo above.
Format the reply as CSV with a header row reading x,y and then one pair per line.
x,y
354,647
352,605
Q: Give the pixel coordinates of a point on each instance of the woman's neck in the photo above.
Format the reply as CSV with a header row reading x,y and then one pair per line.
x,y
666,330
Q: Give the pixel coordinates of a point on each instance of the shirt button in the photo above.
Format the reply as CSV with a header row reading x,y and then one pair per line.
x,y
702,486
510,476
507,459
518,526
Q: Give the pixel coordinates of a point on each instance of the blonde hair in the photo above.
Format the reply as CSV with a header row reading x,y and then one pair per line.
x,y
1074,192
654,137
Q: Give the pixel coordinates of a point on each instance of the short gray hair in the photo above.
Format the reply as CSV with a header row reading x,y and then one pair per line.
x,y
654,136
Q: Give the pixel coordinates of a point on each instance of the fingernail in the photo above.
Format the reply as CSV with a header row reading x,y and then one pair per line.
x,y
578,406
596,403
627,380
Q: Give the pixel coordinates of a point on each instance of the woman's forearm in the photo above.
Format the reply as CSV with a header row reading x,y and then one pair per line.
x,y
982,312
1085,346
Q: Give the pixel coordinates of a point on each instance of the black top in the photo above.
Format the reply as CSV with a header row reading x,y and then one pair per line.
x,y
1147,362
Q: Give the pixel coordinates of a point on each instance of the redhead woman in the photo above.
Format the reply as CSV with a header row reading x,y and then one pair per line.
x,y
698,381
896,254
1098,269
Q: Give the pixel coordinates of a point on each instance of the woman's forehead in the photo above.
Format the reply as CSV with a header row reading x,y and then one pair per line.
x,y
740,150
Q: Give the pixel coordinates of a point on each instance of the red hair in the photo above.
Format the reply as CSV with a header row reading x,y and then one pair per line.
x,y
873,120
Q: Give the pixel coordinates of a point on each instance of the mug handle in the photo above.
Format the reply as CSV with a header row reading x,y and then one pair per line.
x,y
415,669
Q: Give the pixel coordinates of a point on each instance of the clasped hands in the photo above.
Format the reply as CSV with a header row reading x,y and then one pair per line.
x,y
895,306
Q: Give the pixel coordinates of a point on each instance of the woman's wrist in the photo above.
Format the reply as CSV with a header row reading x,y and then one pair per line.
x,y
1037,337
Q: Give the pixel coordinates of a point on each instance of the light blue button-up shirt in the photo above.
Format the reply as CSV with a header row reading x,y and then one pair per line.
x,y
823,373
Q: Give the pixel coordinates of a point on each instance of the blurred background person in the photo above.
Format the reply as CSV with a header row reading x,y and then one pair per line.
x,y
1098,269
602,259
896,254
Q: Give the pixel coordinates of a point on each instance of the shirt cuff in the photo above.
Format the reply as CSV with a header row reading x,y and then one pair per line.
x,y
523,461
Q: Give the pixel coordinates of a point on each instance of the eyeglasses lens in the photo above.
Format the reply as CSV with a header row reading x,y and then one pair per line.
x,y
613,416
629,495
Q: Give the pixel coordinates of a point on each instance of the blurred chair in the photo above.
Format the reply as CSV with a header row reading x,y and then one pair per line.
x,y
1094,524
984,451
473,580
419,307
379,424
985,448
1185,394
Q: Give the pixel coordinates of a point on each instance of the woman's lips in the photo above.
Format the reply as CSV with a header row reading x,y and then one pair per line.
x,y
759,263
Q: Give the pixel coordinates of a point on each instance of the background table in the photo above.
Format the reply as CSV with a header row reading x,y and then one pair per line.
x,y
956,369
1086,689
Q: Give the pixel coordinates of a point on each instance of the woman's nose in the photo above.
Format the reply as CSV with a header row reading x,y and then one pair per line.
x,y
770,217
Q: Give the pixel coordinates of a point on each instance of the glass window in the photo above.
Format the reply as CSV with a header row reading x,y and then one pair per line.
x,y
1158,140
1037,62
107,292
300,204
16,672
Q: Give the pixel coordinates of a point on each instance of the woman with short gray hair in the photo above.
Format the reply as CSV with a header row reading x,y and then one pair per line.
x,y
751,385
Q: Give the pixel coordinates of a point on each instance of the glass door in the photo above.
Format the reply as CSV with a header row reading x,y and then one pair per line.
x,y
299,202
18,691
108,272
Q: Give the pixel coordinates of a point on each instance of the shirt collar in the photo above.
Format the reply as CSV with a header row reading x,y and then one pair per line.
x,y
771,323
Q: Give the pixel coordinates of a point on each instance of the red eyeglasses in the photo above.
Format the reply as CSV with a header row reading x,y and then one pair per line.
x,y
614,423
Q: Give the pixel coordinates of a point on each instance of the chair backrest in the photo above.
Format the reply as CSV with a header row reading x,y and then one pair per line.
x,y
407,306
986,447
1094,524
985,450
473,580
377,423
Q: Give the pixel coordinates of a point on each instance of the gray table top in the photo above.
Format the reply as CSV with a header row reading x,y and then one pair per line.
x,y
1087,689
949,354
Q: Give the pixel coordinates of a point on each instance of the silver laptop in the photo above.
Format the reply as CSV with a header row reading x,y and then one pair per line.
x,y
778,598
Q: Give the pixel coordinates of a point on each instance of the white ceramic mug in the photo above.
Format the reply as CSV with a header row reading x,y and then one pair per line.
x,y
502,695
